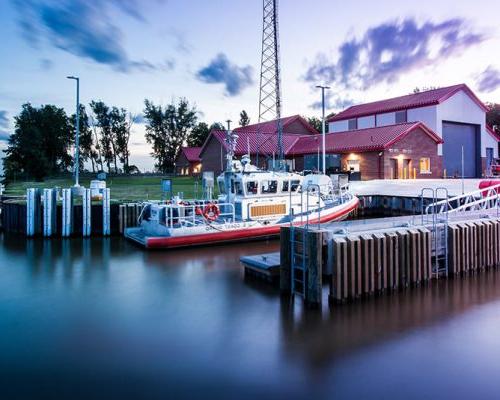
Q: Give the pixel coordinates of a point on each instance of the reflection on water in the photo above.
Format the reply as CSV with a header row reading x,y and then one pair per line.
x,y
82,318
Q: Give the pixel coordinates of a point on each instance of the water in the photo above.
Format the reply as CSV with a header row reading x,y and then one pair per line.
x,y
104,319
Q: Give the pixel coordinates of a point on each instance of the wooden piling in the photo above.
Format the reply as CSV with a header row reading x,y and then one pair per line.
x,y
285,260
313,294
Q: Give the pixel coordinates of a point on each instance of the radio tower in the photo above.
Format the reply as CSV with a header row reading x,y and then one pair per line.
x,y
270,84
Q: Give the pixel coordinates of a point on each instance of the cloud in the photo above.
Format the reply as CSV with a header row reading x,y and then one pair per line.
x,y
4,120
489,80
4,124
221,70
333,102
387,51
82,28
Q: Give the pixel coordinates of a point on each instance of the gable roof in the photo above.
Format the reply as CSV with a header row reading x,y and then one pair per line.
x,y
271,126
370,139
422,99
192,153
264,143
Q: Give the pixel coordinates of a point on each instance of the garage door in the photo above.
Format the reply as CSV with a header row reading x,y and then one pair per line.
x,y
455,136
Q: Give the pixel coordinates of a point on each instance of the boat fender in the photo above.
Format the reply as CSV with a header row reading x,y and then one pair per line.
x,y
211,212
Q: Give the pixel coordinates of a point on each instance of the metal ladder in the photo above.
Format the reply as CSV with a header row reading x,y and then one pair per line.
x,y
299,258
436,214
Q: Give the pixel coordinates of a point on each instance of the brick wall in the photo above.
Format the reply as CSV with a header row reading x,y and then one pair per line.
x,y
213,156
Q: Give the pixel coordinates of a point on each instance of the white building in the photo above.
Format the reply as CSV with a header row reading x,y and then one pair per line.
x,y
454,113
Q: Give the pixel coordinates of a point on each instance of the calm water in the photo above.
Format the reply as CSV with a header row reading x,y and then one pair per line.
x,y
102,318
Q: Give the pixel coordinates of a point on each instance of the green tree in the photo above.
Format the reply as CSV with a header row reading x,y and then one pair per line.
x,y
102,121
316,123
40,144
493,116
198,134
244,118
87,150
167,129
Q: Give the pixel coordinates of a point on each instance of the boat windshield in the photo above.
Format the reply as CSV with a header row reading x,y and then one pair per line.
x,y
252,187
269,186
295,185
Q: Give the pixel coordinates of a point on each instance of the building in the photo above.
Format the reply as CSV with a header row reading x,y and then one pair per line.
x,y
400,151
260,140
188,161
454,113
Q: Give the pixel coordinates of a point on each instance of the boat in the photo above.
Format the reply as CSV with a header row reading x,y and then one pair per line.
x,y
252,204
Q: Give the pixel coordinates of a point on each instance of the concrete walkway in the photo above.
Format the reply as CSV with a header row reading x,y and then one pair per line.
x,y
411,187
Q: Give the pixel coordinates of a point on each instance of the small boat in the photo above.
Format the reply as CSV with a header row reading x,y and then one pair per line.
x,y
252,204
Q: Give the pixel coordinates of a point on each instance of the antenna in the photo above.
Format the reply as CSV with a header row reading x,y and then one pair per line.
x,y
270,81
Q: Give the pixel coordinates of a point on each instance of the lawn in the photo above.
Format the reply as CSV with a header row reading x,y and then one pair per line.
x,y
123,188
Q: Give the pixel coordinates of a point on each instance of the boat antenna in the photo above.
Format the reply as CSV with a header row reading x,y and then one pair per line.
x,y
231,139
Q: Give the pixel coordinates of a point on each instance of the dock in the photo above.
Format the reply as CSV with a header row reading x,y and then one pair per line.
x,y
362,258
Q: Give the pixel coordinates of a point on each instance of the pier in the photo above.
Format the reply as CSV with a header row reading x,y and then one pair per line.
x,y
357,259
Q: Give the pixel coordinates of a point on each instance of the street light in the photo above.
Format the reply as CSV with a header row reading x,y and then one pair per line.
x,y
322,87
77,135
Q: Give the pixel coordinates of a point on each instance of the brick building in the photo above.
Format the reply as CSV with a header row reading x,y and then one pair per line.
x,y
261,140
399,151
188,161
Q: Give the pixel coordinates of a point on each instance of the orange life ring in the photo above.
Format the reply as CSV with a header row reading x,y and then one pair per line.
x,y
211,212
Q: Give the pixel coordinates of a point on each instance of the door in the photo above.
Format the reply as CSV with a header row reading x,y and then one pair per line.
x,y
406,168
489,160
394,168
456,137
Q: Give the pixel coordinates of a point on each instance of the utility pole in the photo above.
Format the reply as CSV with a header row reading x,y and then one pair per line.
x,y
77,135
323,128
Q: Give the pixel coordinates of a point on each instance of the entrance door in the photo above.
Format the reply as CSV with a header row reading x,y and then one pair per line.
x,y
455,137
394,168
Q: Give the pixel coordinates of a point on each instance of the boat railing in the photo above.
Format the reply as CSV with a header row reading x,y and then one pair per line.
x,y
191,214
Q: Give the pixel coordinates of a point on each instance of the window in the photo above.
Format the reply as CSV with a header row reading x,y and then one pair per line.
x,y
401,117
222,189
425,165
295,185
252,187
238,187
269,186
352,124
285,186
353,165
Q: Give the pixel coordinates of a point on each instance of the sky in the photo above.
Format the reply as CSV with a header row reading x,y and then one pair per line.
x,y
209,52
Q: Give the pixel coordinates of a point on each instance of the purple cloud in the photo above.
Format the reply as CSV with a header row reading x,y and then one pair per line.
x,y
488,80
387,51
221,70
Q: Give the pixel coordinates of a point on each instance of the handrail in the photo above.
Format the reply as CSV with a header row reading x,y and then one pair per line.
x,y
467,196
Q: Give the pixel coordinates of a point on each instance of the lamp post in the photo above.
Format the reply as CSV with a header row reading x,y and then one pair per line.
x,y
323,130
77,135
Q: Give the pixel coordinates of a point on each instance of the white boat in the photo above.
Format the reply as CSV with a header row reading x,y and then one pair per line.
x,y
252,204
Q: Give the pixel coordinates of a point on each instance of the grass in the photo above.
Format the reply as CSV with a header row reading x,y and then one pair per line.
x,y
123,188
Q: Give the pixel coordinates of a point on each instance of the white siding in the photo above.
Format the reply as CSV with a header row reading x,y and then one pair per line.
x,y
338,126
386,119
461,108
366,122
427,115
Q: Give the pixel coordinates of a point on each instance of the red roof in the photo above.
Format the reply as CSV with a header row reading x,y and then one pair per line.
x,y
422,99
371,139
264,143
271,126
192,153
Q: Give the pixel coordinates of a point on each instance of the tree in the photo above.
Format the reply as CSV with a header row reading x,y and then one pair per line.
x,y
40,143
167,129
87,151
244,118
316,123
198,135
493,116
102,121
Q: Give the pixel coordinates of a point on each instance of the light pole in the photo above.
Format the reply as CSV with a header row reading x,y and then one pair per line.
x,y
323,130
77,135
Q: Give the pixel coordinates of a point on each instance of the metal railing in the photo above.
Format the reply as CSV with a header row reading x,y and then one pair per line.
x,y
478,200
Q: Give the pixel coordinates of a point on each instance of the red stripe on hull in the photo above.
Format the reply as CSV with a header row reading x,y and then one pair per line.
x,y
234,235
